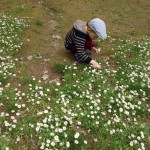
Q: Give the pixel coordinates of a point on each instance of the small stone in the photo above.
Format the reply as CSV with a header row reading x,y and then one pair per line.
x,y
30,57
21,59
45,77
56,37
53,81
45,72
46,60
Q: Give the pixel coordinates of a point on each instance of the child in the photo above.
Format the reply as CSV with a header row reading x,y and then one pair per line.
x,y
80,37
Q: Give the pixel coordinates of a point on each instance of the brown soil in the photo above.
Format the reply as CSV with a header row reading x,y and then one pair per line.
x,y
50,20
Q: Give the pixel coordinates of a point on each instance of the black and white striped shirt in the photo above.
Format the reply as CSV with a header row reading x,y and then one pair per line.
x,y
77,38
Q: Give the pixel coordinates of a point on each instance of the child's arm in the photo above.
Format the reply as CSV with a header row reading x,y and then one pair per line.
x,y
94,49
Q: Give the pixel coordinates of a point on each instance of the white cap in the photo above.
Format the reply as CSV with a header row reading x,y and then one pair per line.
x,y
99,27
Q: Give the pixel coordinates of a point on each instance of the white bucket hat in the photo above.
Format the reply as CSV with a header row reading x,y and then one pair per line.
x,y
99,27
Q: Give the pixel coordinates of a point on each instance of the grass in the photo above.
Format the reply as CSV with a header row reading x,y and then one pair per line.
x,y
38,23
18,9
104,107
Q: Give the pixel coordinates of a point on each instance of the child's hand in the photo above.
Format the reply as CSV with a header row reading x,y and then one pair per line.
x,y
96,50
95,64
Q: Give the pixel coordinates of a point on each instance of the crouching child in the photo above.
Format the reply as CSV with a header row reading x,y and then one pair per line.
x,y
80,38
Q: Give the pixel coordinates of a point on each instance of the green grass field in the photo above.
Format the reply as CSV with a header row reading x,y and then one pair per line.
x,y
88,109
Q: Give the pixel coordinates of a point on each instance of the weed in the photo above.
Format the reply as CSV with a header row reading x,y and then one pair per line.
x,y
38,23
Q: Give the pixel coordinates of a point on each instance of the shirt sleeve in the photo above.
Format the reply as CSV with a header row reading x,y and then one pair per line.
x,y
81,56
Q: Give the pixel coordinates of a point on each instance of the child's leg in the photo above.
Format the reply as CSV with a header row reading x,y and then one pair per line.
x,y
67,46
72,49
78,60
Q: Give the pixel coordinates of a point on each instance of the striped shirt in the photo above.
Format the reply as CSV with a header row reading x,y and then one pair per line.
x,y
75,41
